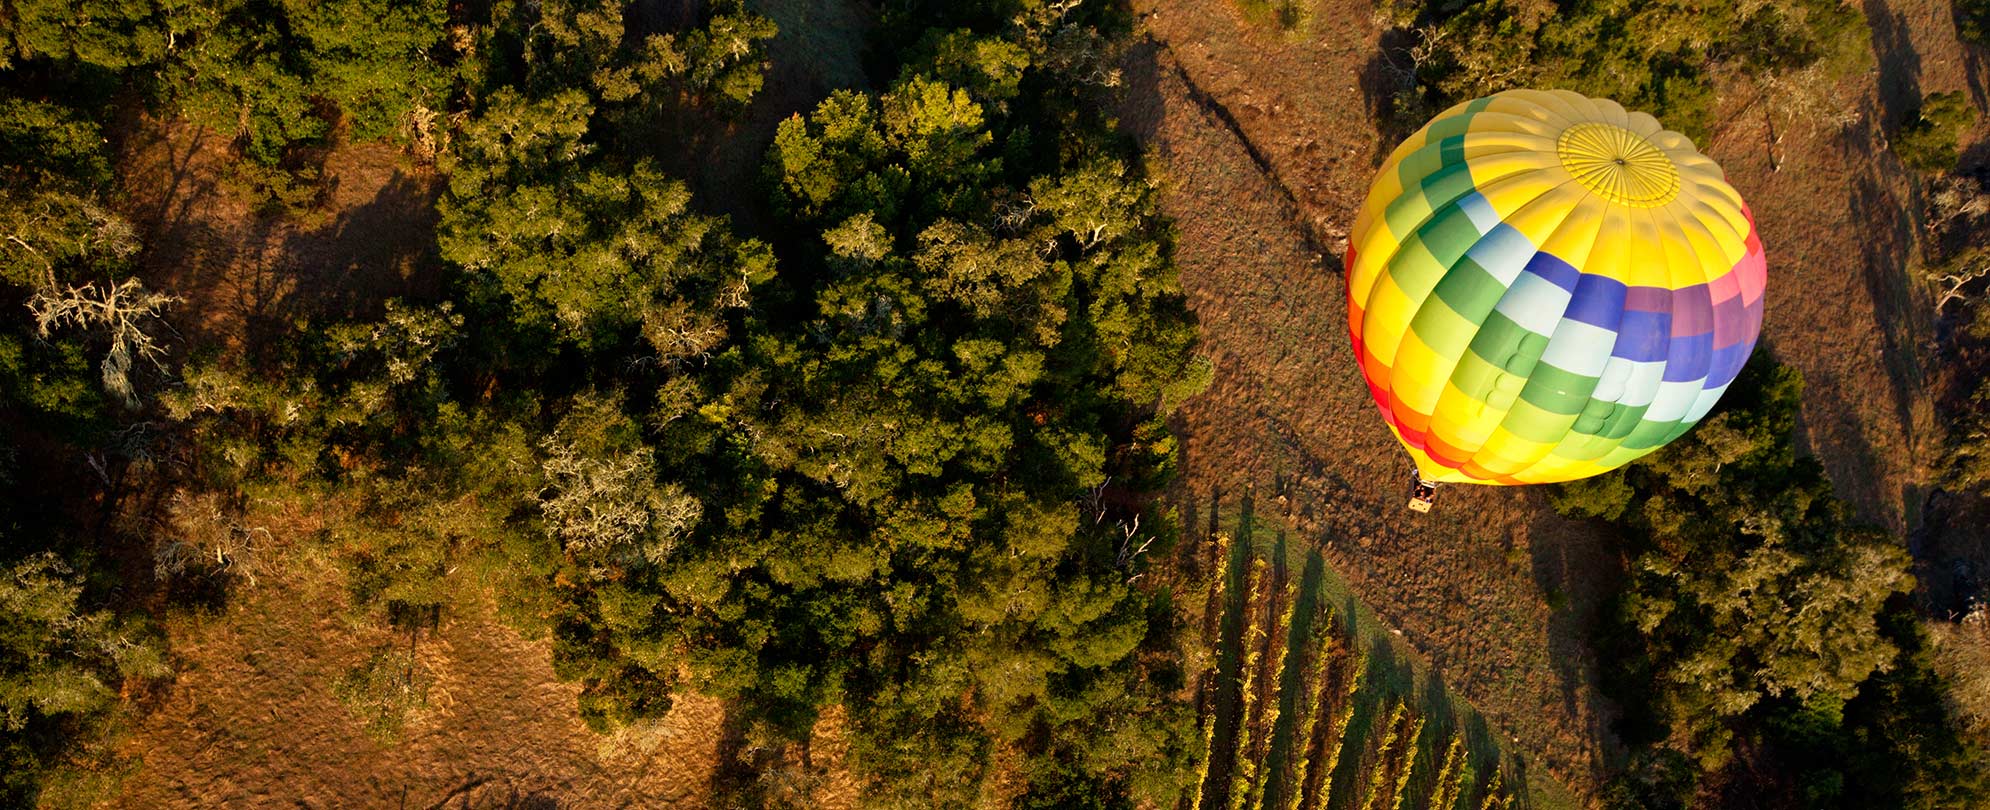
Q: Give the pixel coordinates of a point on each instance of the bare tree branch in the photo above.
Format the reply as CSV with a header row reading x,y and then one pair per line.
x,y
119,313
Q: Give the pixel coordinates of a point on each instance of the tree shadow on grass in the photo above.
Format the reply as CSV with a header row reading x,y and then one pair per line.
x,y
244,280
1900,314
1141,106
1579,570
1899,64
347,267
1389,88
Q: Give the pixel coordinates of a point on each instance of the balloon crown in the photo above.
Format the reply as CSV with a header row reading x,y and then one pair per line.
x,y
1618,164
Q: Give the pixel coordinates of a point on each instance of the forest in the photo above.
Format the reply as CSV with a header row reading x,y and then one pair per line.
x,y
883,444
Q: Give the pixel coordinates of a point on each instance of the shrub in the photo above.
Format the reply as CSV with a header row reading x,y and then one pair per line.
x,y
1658,57
1972,21
1929,139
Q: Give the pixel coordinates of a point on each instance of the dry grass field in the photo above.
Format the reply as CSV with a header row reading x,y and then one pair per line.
x,y
252,721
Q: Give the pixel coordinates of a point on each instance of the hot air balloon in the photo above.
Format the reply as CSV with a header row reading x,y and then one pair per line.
x,y
1543,287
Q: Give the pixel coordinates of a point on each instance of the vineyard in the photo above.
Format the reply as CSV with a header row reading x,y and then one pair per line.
x,y
1305,704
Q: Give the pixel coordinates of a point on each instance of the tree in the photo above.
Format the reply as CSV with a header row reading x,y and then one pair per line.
x,y
259,73
553,211
61,667
380,63
1764,647
54,229
105,34
602,497
639,79
1928,140
606,298
1658,57
68,655
360,423
1753,582
588,250
205,535
120,314
1966,451
984,345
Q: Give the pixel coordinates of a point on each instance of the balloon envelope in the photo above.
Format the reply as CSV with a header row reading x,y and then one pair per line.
x,y
1543,287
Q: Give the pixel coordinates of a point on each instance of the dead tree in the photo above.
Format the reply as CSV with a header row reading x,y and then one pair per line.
x,y
1956,279
120,313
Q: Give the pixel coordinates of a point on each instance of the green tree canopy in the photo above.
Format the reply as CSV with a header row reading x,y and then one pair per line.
x,y
1658,57
1754,582
61,668
925,441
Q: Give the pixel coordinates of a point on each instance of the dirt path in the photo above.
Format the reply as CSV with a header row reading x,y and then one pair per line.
x,y
1267,142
